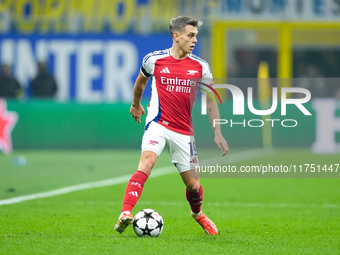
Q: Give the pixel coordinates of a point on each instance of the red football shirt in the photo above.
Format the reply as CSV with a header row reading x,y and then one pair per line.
x,y
174,86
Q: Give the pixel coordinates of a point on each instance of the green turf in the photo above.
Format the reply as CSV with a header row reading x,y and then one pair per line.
x,y
47,170
254,216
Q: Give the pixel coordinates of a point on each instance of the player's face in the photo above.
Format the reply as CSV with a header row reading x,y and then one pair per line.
x,y
188,39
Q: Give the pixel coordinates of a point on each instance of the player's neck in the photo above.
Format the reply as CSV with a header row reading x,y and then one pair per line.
x,y
177,53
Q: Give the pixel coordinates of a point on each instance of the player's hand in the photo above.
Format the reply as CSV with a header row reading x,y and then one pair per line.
x,y
136,112
222,144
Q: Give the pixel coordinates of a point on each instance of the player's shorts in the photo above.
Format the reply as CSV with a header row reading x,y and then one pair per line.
x,y
181,147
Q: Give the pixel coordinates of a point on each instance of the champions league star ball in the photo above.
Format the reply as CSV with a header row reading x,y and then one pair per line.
x,y
148,222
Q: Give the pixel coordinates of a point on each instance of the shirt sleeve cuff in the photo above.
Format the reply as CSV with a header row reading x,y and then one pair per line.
x,y
144,73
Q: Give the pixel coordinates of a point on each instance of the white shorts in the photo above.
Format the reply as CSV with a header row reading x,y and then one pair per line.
x,y
181,147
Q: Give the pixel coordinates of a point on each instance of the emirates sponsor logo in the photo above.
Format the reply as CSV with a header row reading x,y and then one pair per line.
x,y
178,81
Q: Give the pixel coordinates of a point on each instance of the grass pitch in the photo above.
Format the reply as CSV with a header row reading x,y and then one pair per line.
x,y
254,216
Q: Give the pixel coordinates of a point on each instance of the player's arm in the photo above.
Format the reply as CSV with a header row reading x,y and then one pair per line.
x,y
137,109
213,114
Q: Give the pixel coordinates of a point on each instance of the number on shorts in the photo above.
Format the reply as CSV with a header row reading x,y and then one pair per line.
x,y
193,151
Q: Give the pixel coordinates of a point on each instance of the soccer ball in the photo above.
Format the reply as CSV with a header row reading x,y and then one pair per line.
x,y
148,222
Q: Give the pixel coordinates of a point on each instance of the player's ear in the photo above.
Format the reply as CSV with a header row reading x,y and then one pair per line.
x,y
176,36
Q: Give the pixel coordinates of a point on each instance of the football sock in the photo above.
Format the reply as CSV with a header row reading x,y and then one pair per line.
x,y
134,190
195,199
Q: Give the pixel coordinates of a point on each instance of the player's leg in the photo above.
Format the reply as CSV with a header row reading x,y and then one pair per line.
x,y
183,154
152,145
134,189
135,185
194,195
194,191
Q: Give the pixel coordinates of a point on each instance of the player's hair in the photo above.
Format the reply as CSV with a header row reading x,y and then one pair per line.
x,y
179,23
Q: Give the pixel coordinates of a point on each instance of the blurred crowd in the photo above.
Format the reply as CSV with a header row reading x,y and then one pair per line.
x,y
42,86
317,71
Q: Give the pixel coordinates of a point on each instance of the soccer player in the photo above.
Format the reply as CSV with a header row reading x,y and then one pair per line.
x,y
175,73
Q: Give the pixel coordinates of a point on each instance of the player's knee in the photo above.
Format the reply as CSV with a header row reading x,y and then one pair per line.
x,y
193,186
147,162
146,167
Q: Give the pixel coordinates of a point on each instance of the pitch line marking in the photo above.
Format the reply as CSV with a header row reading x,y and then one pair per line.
x,y
84,186
233,158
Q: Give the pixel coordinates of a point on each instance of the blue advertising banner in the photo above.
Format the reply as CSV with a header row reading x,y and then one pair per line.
x,y
88,68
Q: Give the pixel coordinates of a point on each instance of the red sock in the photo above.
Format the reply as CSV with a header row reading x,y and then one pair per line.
x,y
195,199
134,190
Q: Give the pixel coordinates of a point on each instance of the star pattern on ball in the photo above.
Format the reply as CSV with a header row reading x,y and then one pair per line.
x,y
146,230
148,222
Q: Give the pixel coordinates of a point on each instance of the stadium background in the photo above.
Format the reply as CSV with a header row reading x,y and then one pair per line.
x,y
61,189
94,49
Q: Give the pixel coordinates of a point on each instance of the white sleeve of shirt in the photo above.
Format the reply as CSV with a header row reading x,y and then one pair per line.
x,y
207,77
148,66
